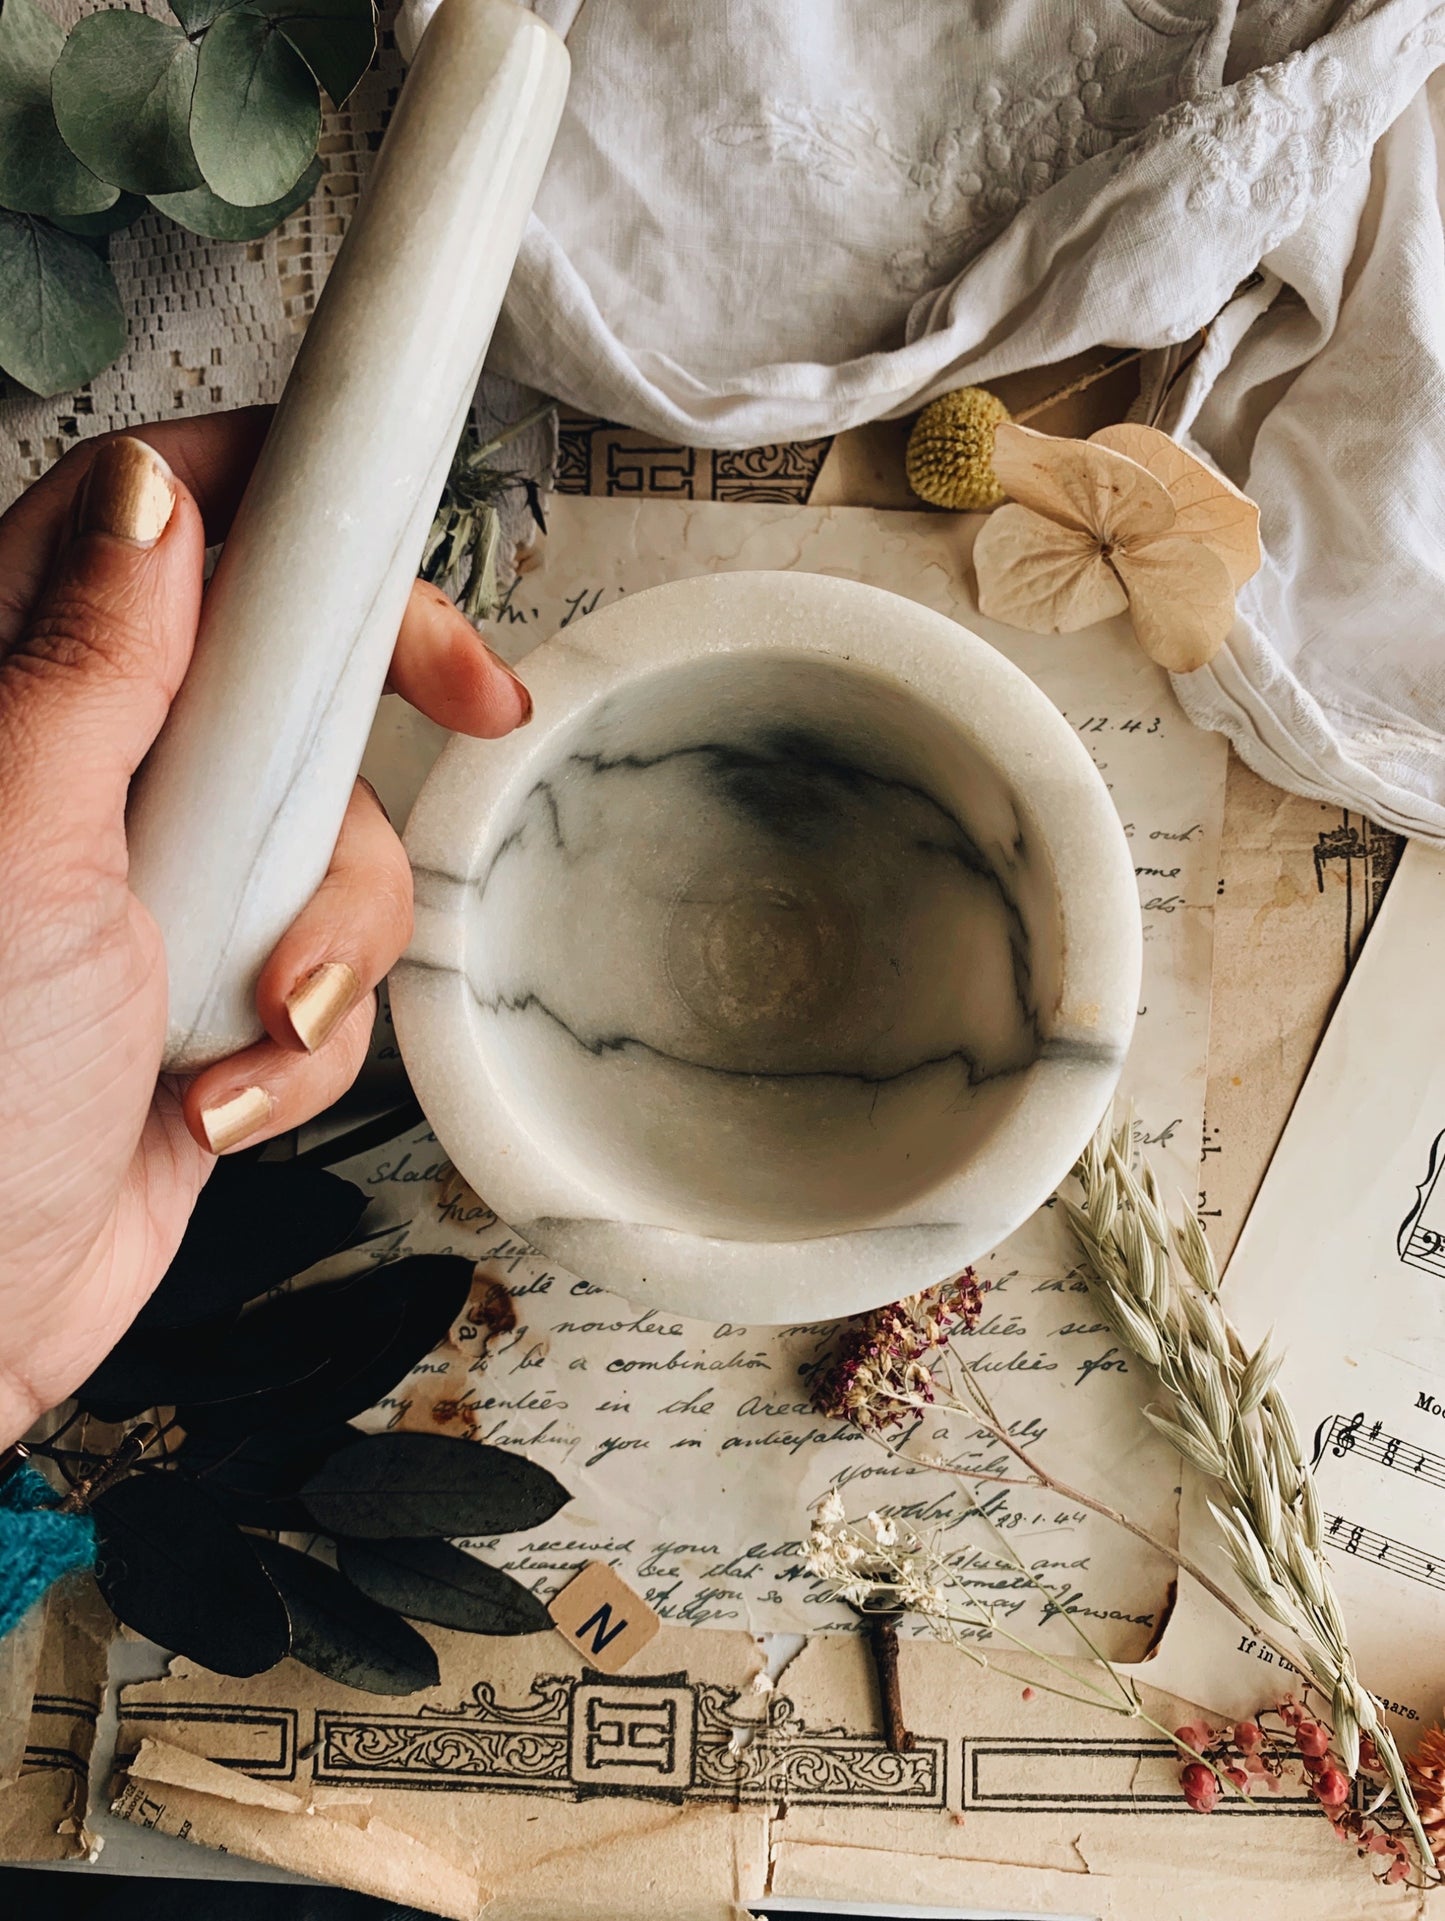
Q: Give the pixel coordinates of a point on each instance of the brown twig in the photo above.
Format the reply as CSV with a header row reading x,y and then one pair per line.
x,y
132,1446
882,1630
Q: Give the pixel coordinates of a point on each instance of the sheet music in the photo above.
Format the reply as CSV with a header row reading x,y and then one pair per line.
x,y
691,1449
1343,1254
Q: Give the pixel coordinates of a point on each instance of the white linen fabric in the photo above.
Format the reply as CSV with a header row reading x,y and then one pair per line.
x,y
773,219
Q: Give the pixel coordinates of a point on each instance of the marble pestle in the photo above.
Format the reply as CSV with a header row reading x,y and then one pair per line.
x,y
235,813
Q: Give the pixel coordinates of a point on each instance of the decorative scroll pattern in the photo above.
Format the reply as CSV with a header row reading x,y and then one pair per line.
x,y
659,1736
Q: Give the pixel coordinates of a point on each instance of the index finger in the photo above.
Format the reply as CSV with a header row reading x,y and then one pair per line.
x,y
212,455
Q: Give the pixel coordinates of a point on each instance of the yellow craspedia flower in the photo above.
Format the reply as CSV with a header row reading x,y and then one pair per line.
x,y
950,451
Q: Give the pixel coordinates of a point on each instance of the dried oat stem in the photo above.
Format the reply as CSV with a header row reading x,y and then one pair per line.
x,y
983,1411
1156,1285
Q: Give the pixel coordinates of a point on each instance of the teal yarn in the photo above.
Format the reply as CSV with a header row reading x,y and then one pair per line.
x,y
38,1544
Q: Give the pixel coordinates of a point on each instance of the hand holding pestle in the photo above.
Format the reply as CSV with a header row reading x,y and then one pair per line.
x,y
236,810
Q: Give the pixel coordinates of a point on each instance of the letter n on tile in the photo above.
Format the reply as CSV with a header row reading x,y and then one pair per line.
x,y
603,1619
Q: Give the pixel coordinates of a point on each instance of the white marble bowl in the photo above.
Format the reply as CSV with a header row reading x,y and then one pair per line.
x,y
783,964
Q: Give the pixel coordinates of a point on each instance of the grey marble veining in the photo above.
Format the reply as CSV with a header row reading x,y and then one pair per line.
x,y
764,952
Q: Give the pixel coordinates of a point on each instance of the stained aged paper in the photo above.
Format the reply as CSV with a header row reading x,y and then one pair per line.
x,y
1344,1256
526,1785
43,1802
690,1449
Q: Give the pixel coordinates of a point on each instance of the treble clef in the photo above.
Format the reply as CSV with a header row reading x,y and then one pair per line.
x,y
1346,1436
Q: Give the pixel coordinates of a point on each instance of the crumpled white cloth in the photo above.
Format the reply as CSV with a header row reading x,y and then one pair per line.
x,y
770,220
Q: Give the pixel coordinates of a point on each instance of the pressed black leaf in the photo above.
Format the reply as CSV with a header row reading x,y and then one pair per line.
x,y
358,1140
255,1225
174,1568
378,1325
256,1478
430,1484
276,1347
342,1633
435,1581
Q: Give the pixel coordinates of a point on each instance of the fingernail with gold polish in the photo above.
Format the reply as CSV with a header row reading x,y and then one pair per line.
x,y
523,691
318,1004
129,493
237,1119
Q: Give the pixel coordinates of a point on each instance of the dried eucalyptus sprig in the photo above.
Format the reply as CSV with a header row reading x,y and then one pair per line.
x,y
461,549
1157,1287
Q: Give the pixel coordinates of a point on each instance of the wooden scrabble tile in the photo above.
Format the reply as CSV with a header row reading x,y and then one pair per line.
x,y
603,1618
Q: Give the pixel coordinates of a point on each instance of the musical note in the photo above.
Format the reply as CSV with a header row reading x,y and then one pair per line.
x,y
1349,1438
1399,1556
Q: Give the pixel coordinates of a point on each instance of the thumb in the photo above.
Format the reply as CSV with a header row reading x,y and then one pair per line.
x,y
84,691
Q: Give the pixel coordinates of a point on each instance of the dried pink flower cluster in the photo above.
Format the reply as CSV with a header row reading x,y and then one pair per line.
x,y
1253,1756
879,1375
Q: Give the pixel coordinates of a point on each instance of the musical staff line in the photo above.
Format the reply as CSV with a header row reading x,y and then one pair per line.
x,y
1342,1437
1381,1550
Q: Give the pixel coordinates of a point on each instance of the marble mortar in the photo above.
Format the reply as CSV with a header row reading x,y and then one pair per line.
x,y
784,964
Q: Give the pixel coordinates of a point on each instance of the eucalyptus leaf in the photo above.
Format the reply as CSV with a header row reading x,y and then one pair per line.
x,y
431,1485
341,1633
255,114
200,211
174,1568
123,212
435,1581
61,319
255,1224
336,38
38,172
196,15
375,1327
122,95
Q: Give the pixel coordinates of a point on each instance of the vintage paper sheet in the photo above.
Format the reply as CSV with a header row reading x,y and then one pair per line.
x,y
526,1785
43,1791
1344,1255
691,1450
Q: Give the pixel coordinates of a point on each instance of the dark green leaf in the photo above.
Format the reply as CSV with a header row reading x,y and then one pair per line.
x,y
61,320
38,172
127,207
430,1484
435,1581
255,115
199,211
175,1569
255,1225
256,1478
196,15
341,1633
336,38
122,95
378,1325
